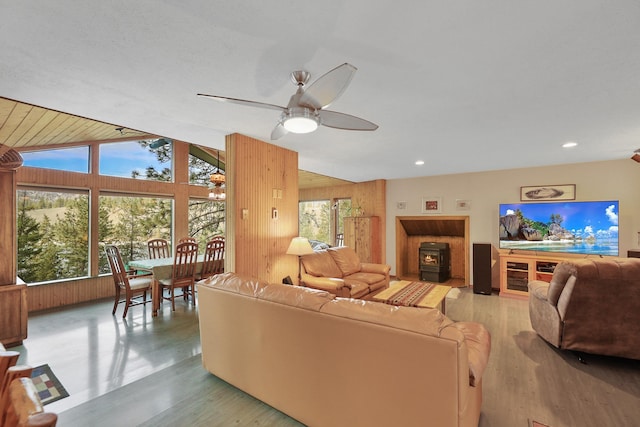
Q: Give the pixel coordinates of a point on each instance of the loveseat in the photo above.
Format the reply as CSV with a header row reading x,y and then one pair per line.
x,y
590,306
330,361
339,271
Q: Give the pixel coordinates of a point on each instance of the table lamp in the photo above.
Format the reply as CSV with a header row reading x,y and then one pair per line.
x,y
299,246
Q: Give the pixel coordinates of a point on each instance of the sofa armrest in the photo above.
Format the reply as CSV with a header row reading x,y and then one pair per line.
x,y
367,267
538,289
478,340
543,314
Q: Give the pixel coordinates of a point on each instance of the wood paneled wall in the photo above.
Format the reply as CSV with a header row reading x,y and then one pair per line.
x,y
370,196
7,227
51,295
261,177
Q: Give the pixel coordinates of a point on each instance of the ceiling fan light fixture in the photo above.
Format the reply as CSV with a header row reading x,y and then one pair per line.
x,y
300,120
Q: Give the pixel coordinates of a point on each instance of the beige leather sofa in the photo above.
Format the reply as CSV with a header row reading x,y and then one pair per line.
x,y
329,361
339,271
591,306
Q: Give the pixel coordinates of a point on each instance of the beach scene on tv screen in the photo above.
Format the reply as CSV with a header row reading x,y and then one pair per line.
x,y
572,227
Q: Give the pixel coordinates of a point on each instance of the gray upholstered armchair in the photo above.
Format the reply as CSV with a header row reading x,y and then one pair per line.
x,y
591,306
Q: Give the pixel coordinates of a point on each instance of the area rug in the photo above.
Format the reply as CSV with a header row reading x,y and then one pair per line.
x,y
48,386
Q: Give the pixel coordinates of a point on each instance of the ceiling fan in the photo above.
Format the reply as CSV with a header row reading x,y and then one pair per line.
x,y
306,108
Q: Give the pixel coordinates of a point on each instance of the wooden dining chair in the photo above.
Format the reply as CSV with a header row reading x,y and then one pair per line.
x,y
12,373
184,271
213,262
134,286
7,360
158,248
23,407
213,258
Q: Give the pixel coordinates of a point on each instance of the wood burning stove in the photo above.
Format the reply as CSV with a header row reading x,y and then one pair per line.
x,y
434,262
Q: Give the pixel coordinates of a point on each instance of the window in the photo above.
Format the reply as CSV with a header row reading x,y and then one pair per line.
x,y
342,209
53,234
202,164
131,222
137,159
54,241
206,220
74,159
315,220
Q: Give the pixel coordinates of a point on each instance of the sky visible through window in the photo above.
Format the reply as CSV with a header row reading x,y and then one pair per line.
x,y
122,158
116,159
74,159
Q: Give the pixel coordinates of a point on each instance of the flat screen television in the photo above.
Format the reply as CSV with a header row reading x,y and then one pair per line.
x,y
573,227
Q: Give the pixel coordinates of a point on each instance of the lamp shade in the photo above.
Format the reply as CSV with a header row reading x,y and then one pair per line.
x,y
299,246
217,193
217,178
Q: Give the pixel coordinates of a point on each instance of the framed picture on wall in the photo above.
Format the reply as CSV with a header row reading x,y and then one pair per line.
x,y
463,205
431,205
548,192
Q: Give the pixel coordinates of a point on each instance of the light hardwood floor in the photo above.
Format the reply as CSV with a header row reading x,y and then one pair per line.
x,y
147,371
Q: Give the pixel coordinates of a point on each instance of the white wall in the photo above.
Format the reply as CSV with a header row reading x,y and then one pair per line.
x,y
610,180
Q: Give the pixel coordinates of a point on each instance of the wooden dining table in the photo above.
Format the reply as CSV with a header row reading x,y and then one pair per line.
x,y
161,268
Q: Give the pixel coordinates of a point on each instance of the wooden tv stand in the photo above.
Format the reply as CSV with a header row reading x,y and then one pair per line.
x,y
517,270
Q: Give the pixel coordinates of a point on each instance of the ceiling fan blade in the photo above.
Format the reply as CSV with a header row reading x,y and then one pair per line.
x,y
333,119
328,87
279,131
244,102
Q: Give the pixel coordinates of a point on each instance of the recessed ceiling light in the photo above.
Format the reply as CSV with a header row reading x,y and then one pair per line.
x,y
419,162
569,144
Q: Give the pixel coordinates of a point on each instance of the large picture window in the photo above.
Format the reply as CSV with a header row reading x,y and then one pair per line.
x,y
53,234
59,239
133,221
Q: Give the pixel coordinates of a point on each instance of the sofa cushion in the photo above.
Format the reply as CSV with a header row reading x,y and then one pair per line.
x,y
368,278
347,259
235,283
296,296
320,264
421,320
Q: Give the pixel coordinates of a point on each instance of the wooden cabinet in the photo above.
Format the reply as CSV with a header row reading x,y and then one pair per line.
x,y
516,271
362,233
13,314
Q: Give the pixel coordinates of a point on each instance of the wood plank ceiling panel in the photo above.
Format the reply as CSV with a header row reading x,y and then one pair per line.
x,y
24,125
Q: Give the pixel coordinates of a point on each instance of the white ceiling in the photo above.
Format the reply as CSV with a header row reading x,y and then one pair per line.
x,y
463,85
